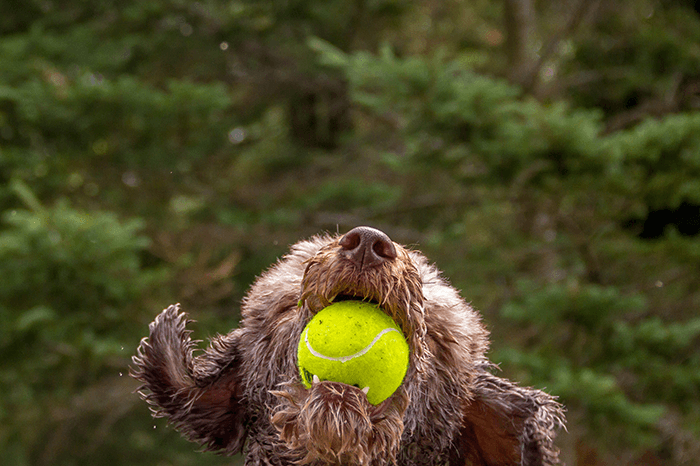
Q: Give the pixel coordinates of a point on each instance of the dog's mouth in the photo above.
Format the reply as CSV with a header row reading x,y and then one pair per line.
x,y
369,299
352,294
318,303
341,389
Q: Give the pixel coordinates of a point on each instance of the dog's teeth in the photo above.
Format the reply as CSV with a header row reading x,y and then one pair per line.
x,y
365,390
316,379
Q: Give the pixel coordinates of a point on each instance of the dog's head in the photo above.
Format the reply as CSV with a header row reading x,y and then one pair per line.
x,y
365,264
334,423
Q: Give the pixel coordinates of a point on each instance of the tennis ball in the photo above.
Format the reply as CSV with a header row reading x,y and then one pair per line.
x,y
355,343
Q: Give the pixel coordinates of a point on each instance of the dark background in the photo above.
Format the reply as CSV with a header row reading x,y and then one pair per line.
x,y
545,154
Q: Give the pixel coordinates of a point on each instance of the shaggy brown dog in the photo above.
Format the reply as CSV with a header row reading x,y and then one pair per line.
x,y
244,391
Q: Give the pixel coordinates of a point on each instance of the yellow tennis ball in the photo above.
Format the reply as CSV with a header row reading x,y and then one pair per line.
x,y
355,343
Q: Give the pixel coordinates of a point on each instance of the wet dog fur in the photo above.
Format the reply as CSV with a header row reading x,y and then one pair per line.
x,y
244,392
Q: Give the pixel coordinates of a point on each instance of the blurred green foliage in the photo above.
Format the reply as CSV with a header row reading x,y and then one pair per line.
x,y
169,151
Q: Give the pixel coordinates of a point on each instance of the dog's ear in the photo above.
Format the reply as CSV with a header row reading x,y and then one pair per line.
x,y
201,396
507,425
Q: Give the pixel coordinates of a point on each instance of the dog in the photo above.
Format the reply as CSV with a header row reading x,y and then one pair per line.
x,y
244,392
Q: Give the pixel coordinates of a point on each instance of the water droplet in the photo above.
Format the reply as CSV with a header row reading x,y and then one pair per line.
x,y
236,135
548,73
131,179
120,374
223,45
95,79
75,180
550,235
186,30
100,147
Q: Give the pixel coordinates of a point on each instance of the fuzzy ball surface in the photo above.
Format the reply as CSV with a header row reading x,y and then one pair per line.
x,y
356,343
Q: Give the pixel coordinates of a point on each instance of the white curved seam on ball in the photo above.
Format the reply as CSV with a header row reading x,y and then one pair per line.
x,y
362,352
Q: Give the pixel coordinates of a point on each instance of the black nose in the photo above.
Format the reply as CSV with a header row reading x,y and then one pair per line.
x,y
367,247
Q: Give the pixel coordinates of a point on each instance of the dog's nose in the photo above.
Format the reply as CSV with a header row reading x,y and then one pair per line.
x,y
367,247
